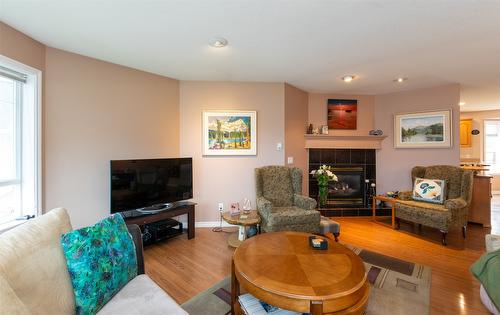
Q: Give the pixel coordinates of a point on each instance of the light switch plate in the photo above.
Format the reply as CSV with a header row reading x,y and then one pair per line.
x,y
290,160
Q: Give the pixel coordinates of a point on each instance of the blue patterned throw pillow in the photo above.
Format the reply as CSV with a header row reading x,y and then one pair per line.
x,y
101,259
429,190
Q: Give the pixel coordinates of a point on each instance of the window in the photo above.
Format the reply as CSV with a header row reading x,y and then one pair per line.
x,y
492,145
19,140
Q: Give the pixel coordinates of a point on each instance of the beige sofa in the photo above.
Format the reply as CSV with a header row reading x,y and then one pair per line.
x,y
34,278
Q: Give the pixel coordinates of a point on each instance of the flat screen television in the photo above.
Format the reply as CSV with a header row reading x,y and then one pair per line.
x,y
150,185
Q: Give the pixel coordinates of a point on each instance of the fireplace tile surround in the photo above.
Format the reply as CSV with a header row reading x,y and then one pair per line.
x,y
345,159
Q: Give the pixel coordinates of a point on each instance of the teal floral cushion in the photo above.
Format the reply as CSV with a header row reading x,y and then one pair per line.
x,y
101,259
429,190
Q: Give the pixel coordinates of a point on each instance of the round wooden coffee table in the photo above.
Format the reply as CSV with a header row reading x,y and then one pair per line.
x,y
243,220
281,269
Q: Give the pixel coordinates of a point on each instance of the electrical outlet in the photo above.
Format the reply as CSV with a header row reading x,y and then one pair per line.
x,y
221,206
290,160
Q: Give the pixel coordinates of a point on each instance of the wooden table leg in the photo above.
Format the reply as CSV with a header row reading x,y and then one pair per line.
x,y
242,233
316,308
191,223
393,218
235,287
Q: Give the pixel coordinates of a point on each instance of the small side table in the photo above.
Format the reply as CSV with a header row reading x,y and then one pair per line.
x,y
390,200
252,218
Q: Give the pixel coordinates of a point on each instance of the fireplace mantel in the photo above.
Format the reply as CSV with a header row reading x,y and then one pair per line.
x,y
343,142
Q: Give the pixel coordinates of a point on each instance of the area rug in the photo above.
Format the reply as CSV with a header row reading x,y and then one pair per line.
x,y
398,287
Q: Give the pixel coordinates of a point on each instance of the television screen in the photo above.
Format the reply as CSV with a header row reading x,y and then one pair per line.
x,y
137,184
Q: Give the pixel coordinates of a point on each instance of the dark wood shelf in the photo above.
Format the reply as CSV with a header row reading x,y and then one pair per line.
x,y
141,219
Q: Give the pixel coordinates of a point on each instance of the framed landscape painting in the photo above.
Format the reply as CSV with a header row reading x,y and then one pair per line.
x,y
342,114
423,130
229,133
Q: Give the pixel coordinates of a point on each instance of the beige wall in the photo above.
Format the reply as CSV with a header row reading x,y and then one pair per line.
x,y
477,149
366,110
95,112
296,106
394,165
17,46
229,179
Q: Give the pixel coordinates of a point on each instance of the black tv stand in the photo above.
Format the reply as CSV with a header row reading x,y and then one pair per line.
x,y
177,208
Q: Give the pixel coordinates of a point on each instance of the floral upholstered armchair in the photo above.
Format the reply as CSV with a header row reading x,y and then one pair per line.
x,y
280,202
452,213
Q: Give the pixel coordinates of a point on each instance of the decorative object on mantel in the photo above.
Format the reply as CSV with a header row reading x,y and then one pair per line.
x,y
323,175
310,129
376,132
316,131
324,129
342,114
229,133
423,130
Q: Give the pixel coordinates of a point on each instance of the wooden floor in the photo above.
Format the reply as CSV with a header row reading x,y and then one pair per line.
x,y
184,268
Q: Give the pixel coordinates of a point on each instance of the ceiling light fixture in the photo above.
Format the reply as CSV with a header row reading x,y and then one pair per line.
x,y
218,42
400,80
461,103
348,78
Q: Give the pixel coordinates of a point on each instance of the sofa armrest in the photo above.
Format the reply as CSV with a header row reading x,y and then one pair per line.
x,y
406,195
264,206
455,204
136,234
304,202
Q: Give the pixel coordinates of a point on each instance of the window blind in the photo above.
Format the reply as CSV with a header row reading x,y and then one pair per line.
x,y
14,75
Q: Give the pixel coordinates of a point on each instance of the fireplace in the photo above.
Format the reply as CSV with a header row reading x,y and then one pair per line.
x,y
354,168
349,190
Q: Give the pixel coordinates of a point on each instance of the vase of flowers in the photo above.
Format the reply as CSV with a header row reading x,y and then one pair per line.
x,y
323,175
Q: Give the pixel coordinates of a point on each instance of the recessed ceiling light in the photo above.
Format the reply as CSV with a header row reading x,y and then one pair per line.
x,y
218,42
400,80
461,103
348,78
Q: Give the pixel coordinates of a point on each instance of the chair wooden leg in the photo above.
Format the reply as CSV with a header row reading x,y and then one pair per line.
x,y
336,235
443,241
333,236
464,231
398,224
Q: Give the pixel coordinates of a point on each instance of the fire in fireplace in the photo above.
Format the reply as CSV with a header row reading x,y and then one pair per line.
x,y
349,190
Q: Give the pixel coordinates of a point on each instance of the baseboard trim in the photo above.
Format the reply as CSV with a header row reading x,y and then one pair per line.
x,y
209,224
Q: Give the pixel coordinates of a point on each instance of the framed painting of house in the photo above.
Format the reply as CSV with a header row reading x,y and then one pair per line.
x,y
229,133
423,130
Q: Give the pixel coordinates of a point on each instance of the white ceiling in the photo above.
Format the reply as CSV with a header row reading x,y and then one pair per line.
x,y
308,43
